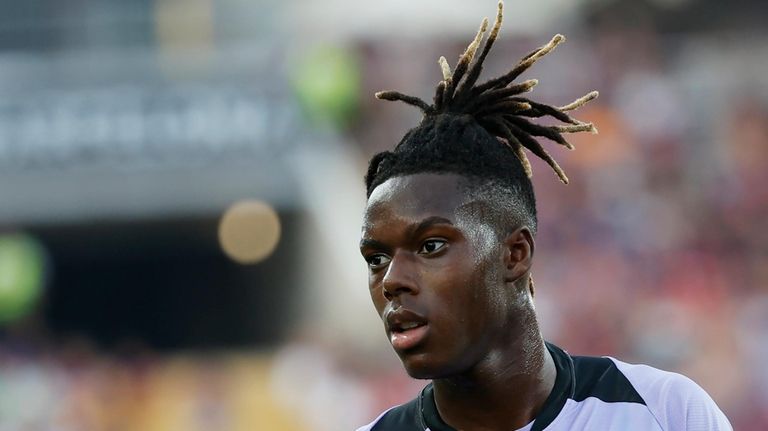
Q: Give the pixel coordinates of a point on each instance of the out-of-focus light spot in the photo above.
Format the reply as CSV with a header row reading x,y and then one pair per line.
x,y
22,267
185,36
184,23
327,85
249,231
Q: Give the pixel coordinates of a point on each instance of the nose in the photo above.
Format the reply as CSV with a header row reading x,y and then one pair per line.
x,y
400,277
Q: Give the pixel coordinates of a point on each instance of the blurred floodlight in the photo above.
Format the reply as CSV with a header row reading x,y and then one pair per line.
x,y
249,231
22,267
184,23
327,84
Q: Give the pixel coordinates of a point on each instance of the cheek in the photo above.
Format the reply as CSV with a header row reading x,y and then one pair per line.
x,y
487,297
462,292
481,238
379,302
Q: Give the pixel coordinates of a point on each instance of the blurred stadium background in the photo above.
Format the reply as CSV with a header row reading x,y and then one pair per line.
x,y
181,189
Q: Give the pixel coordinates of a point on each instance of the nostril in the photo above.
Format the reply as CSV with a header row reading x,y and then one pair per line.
x,y
392,291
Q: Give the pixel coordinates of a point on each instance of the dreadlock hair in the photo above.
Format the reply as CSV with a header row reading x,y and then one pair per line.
x,y
481,131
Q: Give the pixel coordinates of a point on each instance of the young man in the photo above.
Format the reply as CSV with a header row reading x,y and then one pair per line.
x,y
448,235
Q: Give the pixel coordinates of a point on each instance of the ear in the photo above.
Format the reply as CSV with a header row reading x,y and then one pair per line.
x,y
518,254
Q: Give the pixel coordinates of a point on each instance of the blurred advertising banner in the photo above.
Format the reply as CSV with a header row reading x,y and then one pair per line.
x,y
111,135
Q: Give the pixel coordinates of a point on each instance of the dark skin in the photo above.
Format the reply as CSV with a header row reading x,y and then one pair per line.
x,y
431,253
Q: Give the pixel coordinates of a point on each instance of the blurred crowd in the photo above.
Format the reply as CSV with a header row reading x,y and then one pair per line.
x,y
657,252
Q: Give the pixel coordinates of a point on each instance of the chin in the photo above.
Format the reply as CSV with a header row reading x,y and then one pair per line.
x,y
421,374
421,366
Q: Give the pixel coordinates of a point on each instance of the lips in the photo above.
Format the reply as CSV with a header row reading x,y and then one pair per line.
x,y
406,328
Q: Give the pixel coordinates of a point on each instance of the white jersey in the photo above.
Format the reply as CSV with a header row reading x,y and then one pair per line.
x,y
591,393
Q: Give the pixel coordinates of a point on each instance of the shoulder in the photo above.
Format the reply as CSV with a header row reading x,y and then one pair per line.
x,y
599,377
676,401
405,417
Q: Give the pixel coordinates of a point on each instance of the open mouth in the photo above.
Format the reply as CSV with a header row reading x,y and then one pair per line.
x,y
406,326
408,335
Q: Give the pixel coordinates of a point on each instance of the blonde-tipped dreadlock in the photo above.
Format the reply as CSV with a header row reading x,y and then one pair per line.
x,y
496,104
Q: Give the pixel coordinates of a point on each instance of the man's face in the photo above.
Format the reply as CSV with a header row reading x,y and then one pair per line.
x,y
435,274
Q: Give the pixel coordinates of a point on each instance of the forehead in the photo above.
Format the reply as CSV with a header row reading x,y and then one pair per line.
x,y
416,196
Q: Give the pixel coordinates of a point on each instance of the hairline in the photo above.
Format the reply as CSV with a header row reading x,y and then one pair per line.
x,y
480,191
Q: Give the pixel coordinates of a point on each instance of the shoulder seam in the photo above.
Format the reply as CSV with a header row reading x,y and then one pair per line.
x,y
599,377
647,404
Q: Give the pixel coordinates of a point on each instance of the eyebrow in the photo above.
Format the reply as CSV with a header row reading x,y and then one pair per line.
x,y
371,243
428,222
412,230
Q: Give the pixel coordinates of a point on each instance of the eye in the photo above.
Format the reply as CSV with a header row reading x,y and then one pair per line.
x,y
377,261
432,245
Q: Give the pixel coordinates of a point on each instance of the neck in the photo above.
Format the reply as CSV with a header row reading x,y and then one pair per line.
x,y
505,391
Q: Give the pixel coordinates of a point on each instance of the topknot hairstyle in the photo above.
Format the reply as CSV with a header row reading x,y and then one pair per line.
x,y
480,131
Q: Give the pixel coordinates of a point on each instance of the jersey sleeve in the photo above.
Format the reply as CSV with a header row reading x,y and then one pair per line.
x,y
370,426
677,402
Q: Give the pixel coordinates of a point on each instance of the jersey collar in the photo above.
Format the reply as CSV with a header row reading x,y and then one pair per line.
x,y
565,384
